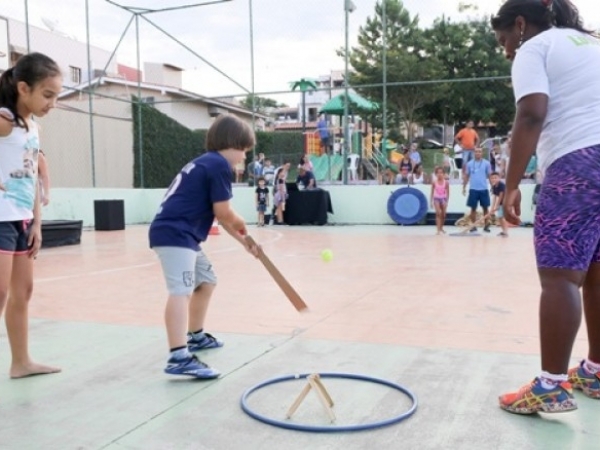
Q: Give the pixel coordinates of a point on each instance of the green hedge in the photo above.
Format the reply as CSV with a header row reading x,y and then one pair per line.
x,y
168,146
273,145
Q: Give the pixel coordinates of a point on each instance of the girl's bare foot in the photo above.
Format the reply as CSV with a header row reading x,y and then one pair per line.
x,y
30,369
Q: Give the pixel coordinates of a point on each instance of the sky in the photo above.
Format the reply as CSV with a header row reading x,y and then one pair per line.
x,y
293,39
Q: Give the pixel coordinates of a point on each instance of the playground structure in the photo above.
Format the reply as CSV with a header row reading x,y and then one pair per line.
x,y
363,156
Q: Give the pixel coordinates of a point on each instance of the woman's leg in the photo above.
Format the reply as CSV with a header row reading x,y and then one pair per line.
x,y
591,307
560,316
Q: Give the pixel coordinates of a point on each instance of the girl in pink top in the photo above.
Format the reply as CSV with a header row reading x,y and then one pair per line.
x,y
440,193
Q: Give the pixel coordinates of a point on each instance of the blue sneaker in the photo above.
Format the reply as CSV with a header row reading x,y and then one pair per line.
x,y
192,367
202,341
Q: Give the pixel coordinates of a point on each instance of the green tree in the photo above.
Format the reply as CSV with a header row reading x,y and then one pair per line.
x,y
304,84
262,104
465,50
407,61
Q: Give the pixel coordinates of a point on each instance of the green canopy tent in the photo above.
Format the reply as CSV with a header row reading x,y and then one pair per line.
x,y
356,103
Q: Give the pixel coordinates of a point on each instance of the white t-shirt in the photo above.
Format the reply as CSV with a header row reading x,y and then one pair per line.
x,y
564,64
18,173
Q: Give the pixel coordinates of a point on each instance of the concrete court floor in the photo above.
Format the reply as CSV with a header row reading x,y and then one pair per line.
x,y
453,319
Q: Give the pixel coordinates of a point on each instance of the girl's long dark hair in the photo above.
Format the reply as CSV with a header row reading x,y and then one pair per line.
x,y
31,69
542,13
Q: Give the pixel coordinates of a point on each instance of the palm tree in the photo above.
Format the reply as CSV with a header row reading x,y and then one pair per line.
x,y
304,84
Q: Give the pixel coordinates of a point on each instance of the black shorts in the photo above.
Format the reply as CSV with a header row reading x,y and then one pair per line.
x,y
14,236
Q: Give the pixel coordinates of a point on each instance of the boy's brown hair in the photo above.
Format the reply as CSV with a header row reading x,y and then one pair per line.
x,y
228,131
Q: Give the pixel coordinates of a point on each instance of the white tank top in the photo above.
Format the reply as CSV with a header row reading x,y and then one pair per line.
x,y
417,179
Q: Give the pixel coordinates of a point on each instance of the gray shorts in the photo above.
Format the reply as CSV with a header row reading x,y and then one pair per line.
x,y
500,212
184,269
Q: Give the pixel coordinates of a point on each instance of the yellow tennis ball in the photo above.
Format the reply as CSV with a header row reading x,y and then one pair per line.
x,y
326,255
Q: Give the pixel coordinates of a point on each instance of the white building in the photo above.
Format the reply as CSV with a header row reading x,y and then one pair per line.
x,y
329,86
69,53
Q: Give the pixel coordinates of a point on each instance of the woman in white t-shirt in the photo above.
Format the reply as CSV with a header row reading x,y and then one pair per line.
x,y
556,81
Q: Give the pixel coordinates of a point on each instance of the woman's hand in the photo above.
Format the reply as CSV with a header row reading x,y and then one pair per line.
x,y
512,206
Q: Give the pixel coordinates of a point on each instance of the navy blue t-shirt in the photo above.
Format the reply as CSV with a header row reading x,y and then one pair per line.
x,y
185,215
498,189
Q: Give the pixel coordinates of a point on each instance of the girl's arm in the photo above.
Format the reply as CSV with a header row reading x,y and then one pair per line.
x,y
44,177
34,241
431,196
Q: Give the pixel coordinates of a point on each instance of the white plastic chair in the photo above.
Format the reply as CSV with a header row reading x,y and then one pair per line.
x,y
353,166
455,173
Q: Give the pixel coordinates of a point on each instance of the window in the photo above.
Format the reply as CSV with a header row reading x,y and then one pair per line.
x,y
75,74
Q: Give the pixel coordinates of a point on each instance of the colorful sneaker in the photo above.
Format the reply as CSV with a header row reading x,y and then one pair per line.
x,y
533,398
192,367
203,341
584,381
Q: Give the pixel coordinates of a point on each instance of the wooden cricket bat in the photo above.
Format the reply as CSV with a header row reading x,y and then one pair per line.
x,y
285,286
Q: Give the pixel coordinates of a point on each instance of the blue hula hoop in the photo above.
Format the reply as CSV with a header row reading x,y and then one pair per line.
x,y
332,428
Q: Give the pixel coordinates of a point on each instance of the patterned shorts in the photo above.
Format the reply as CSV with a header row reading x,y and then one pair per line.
x,y
567,218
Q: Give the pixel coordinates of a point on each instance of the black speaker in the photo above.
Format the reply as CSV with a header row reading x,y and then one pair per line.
x,y
109,215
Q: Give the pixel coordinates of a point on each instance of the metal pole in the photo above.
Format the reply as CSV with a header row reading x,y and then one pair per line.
x,y
252,73
139,100
384,102
346,110
27,24
90,92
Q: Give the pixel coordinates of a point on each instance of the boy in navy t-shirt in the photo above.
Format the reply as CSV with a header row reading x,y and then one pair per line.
x,y
498,191
200,193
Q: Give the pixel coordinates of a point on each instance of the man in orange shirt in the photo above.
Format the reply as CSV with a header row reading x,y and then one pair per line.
x,y
468,139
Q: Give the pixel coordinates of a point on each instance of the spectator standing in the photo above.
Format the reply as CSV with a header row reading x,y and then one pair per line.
x,y
468,139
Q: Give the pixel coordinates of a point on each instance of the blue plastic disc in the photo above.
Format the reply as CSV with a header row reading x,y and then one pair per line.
x,y
407,206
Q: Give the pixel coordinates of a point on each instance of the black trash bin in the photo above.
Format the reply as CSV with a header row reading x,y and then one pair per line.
x,y
109,215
